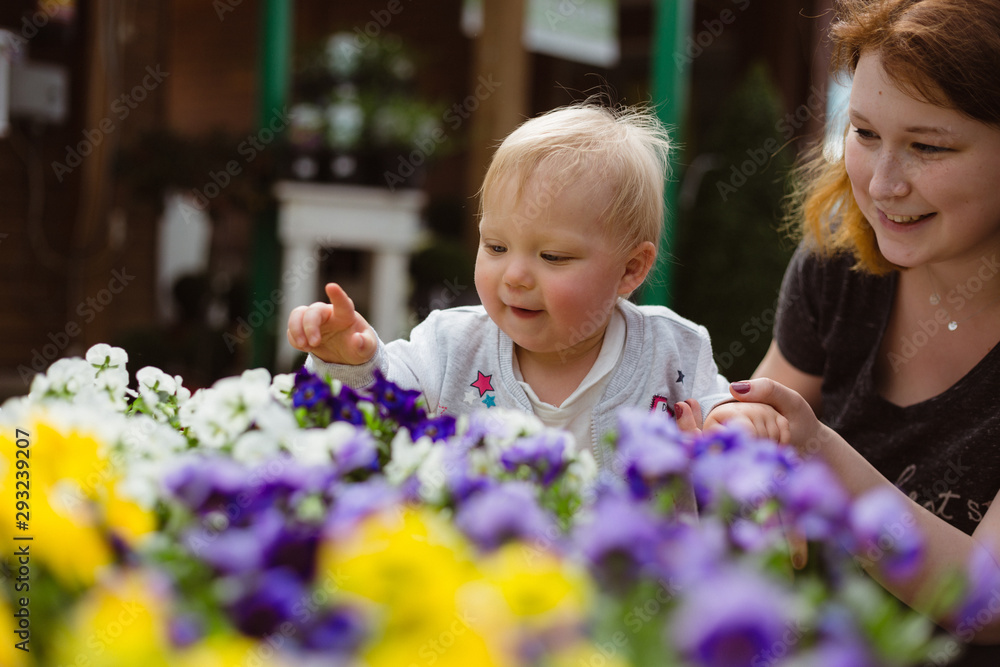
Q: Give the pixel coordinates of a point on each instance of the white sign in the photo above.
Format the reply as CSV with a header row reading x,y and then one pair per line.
x,y
584,31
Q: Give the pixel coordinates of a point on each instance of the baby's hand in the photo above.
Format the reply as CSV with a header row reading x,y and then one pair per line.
x,y
334,331
805,432
759,419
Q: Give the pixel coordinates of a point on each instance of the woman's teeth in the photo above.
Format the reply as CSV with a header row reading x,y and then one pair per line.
x,y
905,218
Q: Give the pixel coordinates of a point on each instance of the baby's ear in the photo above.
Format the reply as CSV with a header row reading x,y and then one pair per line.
x,y
637,266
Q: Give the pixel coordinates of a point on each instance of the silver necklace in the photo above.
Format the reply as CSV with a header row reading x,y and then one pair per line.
x,y
935,299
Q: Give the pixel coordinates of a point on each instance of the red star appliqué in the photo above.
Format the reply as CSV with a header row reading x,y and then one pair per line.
x,y
483,383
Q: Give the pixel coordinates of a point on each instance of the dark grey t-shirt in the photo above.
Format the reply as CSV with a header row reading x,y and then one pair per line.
x,y
943,452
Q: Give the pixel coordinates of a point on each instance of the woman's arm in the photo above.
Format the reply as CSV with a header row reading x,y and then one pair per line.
x,y
946,548
775,366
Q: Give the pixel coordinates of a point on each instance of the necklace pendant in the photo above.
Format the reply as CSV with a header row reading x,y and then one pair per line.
x,y
935,299
952,325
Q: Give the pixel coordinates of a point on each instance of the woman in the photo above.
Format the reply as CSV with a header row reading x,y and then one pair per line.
x,y
889,313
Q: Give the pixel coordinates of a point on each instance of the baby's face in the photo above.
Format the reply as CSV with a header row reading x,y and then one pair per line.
x,y
547,272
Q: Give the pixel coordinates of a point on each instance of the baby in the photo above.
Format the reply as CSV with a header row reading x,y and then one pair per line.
x,y
570,218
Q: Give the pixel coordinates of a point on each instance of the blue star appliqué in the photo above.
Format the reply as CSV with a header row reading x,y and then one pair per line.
x,y
489,401
680,376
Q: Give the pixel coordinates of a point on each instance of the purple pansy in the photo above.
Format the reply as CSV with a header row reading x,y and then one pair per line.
x,y
652,451
354,502
620,540
268,600
884,534
730,466
237,549
204,485
359,452
309,390
294,549
542,453
502,513
340,630
441,427
688,552
400,405
731,619
814,501
982,589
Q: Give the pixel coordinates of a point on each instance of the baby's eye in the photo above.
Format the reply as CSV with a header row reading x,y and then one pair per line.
x,y
494,249
549,257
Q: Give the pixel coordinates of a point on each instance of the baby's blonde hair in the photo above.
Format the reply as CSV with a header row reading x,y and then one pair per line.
x,y
623,150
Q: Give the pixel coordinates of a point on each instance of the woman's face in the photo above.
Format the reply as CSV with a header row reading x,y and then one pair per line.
x,y
926,178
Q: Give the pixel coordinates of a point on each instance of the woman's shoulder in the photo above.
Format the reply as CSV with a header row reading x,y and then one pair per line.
x,y
818,274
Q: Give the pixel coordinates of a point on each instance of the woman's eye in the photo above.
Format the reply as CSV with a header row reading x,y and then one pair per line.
x,y
865,134
927,148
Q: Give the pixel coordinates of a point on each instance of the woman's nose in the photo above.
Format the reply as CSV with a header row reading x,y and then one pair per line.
x,y
889,178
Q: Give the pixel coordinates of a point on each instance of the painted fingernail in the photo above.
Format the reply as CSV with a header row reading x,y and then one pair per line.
x,y
741,387
678,410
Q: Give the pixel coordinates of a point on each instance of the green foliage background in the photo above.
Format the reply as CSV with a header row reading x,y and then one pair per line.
x,y
729,255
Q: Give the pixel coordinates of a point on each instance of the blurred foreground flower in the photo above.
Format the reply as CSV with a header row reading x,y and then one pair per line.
x,y
293,520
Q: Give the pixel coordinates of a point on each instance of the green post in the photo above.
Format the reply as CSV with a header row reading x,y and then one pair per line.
x,y
274,74
670,77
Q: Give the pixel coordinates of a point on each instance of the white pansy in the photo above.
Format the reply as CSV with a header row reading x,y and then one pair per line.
x,y
143,483
432,474
68,376
147,438
255,447
281,387
161,392
102,354
277,421
581,475
218,414
153,379
311,446
406,456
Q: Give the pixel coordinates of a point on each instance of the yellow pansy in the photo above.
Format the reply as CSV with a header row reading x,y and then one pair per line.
x,y
536,584
120,622
229,650
611,653
67,483
411,565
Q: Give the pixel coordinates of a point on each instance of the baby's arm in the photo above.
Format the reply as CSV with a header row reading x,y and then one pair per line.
x,y
333,332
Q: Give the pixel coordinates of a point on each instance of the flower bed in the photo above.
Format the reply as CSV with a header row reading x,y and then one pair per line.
x,y
291,520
